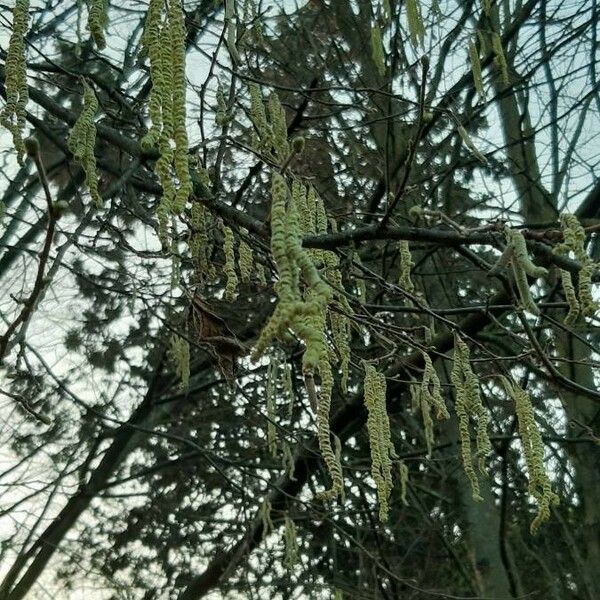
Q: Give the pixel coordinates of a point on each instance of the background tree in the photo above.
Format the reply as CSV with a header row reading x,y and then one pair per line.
x,y
232,215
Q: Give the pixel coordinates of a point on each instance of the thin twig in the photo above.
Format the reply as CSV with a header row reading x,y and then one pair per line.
x,y
40,282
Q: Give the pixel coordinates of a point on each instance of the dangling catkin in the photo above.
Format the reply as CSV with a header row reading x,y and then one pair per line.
x,y
229,251
571,297
522,267
533,448
17,94
265,516
304,314
164,40
82,141
271,409
377,52
180,355
574,241
97,20
468,404
476,69
406,264
378,427
291,543
500,58
415,22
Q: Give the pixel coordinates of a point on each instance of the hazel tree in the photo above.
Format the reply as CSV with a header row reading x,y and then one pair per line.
x,y
299,299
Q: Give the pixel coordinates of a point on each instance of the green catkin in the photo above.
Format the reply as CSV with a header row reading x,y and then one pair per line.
x,y
482,42
265,517
332,459
164,40
486,5
431,387
476,69
340,331
519,246
287,461
428,397
180,355
340,310
82,141
221,118
415,22
499,58
260,274
320,228
157,40
180,137
199,239
427,420
406,264
466,138
299,196
246,261
231,285
271,408
573,237
533,448
403,471
522,283
465,438
278,128
288,387
377,52
304,315
13,115
468,404
574,241
258,116
291,543
378,427
571,297
287,291
522,266
315,326
97,21
231,37
589,306
152,47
